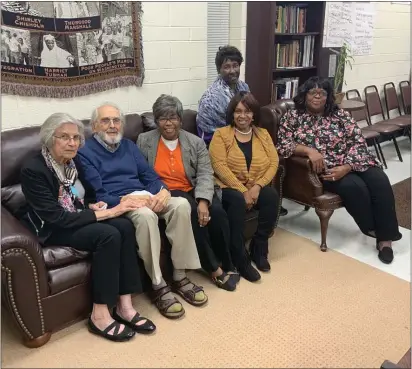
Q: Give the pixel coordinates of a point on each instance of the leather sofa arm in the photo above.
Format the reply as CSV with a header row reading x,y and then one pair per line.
x,y
301,183
24,275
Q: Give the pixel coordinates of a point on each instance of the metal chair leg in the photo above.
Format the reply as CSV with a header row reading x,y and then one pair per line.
x,y
397,148
376,149
382,156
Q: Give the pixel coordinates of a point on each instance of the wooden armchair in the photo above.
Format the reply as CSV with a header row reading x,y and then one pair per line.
x,y
301,183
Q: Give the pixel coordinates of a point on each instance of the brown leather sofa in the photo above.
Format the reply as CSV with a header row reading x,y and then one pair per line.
x,y
47,288
301,183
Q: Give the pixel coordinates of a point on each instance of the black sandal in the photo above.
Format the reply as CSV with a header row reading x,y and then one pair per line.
x,y
125,335
146,328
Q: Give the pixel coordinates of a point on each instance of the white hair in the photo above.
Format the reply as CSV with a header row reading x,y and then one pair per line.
x,y
52,123
95,113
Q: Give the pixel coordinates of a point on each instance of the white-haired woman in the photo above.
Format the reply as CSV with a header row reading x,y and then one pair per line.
x,y
56,212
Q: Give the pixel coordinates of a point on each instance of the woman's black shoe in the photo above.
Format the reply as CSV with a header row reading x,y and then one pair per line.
x,y
385,255
262,263
225,282
259,255
283,211
249,273
123,336
145,328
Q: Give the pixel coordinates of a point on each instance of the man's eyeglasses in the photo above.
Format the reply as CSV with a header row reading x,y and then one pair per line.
x,y
106,121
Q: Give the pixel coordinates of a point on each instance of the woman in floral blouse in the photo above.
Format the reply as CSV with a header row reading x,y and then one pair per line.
x,y
334,143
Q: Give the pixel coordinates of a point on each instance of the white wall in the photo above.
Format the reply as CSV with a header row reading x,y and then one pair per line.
x,y
390,59
174,46
237,30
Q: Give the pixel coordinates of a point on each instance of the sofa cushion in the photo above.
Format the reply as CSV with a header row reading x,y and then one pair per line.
x,y
72,275
12,198
58,256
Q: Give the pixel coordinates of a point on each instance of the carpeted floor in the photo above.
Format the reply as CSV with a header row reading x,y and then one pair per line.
x,y
402,192
318,310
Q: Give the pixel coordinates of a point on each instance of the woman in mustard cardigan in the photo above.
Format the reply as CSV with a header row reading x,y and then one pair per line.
x,y
245,162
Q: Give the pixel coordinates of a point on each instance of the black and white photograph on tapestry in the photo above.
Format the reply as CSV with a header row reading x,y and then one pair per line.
x,y
116,36
76,9
53,50
90,48
15,46
34,8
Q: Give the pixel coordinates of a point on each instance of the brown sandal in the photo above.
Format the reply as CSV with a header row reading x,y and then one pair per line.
x,y
189,295
163,305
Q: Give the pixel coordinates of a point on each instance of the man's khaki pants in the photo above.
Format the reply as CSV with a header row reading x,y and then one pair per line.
x,y
178,231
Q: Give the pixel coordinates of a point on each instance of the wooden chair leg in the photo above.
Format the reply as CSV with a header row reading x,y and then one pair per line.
x,y
324,216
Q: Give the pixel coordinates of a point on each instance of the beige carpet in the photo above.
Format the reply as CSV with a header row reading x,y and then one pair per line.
x,y
319,310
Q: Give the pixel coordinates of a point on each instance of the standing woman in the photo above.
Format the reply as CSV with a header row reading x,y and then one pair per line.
x,y
56,213
334,143
245,162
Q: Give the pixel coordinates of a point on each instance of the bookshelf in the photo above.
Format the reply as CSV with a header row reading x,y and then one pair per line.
x,y
283,47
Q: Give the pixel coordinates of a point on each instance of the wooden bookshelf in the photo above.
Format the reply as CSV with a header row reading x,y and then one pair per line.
x,y
273,23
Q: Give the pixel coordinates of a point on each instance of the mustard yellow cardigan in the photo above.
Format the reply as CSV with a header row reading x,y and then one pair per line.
x,y
229,163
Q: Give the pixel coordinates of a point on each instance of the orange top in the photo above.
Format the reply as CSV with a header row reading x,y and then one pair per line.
x,y
169,166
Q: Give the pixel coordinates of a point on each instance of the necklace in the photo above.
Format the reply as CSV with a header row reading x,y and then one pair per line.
x,y
243,133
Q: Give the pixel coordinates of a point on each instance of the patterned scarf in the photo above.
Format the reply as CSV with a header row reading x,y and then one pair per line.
x,y
67,199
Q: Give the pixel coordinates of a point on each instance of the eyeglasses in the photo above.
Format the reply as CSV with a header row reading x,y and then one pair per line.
x,y
314,92
106,121
66,138
247,113
164,120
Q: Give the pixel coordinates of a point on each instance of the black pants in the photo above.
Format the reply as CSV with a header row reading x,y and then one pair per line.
x,y
368,198
115,269
213,240
235,206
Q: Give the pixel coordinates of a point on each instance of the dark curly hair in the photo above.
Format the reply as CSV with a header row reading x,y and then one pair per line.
x,y
227,52
316,82
249,101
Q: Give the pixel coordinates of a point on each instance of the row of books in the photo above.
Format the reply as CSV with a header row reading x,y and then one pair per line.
x,y
284,88
291,19
295,53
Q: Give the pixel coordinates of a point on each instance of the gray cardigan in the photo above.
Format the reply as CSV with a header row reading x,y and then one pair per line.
x,y
196,160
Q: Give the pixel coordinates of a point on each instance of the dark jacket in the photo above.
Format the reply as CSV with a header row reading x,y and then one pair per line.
x,y
43,214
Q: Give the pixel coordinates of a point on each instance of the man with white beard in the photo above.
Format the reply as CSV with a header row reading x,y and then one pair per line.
x,y
116,170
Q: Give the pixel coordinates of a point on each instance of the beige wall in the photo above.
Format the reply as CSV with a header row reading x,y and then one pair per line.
x,y
390,57
174,46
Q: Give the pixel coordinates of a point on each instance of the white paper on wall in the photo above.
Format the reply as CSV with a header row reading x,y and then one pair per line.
x,y
350,22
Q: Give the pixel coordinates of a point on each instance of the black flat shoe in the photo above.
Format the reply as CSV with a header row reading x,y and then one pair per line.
x,y
283,211
234,275
249,273
126,335
385,255
262,263
146,328
225,282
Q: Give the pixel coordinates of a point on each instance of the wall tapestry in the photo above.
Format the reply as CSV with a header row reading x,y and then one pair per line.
x,y
66,49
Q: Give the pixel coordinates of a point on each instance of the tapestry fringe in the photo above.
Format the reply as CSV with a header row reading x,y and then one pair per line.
x,y
83,88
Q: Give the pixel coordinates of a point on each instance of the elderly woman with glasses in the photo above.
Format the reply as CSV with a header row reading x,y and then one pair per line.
x,y
334,143
57,212
182,161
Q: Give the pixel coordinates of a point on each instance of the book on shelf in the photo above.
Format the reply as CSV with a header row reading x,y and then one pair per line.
x,y
284,88
291,19
295,53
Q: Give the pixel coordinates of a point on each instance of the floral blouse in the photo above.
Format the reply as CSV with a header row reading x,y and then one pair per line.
x,y
338,138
